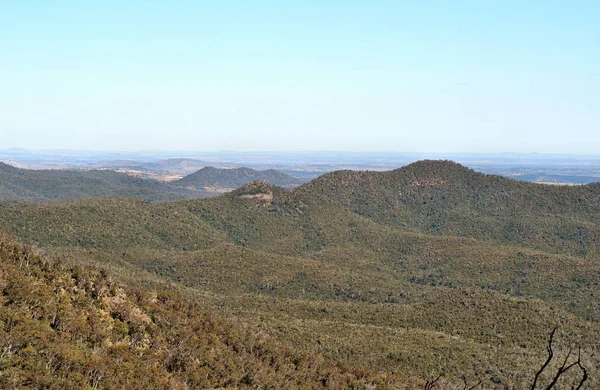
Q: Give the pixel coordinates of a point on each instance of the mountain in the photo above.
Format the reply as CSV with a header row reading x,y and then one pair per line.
x,y
445,198
210,178
41,185
425,271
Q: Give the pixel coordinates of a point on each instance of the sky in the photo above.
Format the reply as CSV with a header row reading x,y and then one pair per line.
x,y
407,76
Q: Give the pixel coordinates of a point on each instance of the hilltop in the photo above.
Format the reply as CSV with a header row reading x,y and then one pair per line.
x,y
210,178
445,198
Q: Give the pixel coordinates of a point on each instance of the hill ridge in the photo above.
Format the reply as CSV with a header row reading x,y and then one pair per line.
x,y
7,167
43,185
443,169
232,178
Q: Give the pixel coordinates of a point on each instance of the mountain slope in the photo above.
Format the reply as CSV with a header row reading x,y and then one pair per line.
x,y
209,178
452,328
41,185
77,328
441,197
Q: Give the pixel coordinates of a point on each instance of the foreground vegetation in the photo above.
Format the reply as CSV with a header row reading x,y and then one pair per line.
x,y
70,327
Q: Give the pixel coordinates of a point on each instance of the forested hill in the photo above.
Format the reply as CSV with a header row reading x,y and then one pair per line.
x,y
68,327
210,177
41,185
446,198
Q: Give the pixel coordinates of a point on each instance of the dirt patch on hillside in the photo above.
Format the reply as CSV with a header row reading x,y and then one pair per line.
x,y
261,196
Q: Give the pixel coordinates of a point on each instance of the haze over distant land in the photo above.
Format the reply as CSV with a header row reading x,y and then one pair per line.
x,y
169,166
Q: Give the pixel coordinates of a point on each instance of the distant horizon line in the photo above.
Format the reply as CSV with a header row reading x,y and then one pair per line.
x,y
190,152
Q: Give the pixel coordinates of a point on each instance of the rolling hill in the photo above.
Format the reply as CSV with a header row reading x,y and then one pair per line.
x,y
425,271
42,185
445,198
211,178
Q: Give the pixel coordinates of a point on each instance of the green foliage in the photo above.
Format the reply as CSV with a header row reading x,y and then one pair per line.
x,y
64,328
427,270
210,177
445,198
31,185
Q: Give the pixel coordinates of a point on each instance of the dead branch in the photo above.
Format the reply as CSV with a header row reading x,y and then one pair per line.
x,y
562,369
429,384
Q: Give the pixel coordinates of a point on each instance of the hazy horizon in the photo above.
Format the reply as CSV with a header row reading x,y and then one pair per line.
x,y
284,151
442,77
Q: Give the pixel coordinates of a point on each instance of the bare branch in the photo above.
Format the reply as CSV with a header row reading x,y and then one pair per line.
x,y
582,368
550,356
466,387
429,384
562,369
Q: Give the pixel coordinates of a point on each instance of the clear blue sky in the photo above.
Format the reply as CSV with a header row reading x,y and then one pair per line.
x,y
415,76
